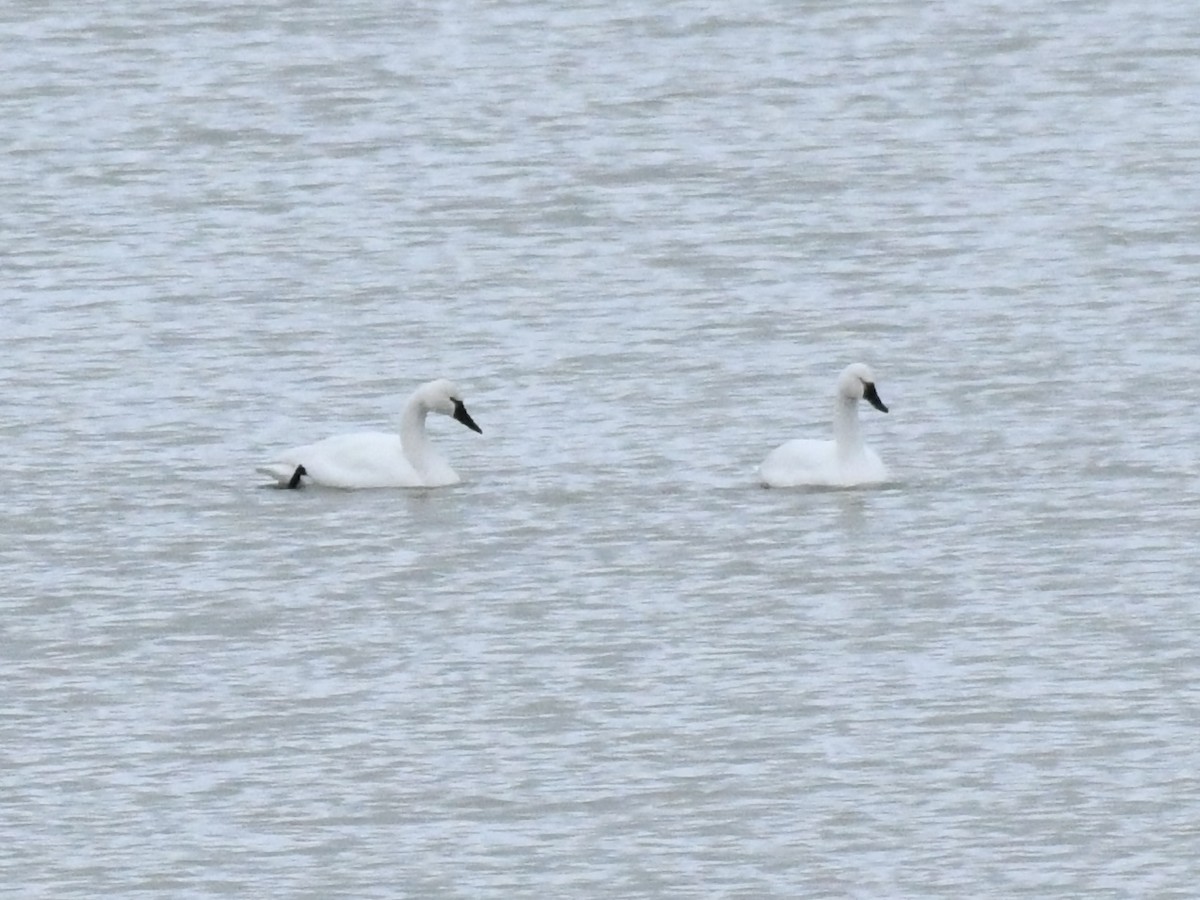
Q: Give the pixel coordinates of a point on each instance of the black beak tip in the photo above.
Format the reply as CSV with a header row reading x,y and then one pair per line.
x,y
872,397
461,415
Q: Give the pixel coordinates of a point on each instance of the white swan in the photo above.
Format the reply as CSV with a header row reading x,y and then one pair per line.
x,y
379,459
842,462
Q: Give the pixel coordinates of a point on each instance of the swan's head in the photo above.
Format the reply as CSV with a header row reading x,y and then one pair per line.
x,y
857,382
443,397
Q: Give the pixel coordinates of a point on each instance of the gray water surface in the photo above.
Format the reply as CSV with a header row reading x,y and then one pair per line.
x,y
644,240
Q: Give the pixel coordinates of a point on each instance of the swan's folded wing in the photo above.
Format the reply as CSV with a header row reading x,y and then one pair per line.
x,y
800,462
282,472
361,460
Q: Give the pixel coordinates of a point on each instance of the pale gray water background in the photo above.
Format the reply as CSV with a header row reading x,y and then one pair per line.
x,y
644,238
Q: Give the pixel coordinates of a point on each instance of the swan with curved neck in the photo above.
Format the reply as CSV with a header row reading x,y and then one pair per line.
x,y
380,459
843,462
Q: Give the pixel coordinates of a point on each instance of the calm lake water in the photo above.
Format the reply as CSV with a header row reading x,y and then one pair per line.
x,y
644,239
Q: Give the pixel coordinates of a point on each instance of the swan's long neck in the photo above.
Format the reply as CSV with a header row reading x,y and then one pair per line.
x,y
846,432
413,439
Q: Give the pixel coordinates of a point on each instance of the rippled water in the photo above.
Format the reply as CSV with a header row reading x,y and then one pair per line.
x,y
644,240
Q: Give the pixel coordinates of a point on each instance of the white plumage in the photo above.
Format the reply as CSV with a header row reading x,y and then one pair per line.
x,y
843,462
373,459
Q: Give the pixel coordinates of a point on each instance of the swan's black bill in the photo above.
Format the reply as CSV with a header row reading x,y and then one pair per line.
x,y
872,397
296,476
461,415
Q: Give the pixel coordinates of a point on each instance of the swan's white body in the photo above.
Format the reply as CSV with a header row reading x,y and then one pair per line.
x,y
372,459
843,462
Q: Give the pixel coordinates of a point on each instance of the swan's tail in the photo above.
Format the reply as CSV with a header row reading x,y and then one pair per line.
x,y
286,475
